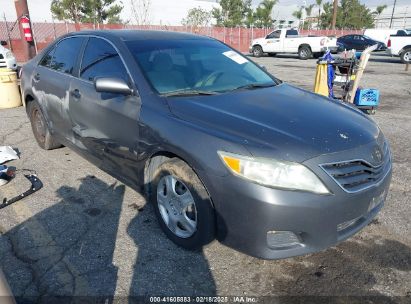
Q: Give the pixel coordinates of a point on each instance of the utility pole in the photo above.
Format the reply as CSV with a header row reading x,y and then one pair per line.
x,y
392,15
335,8
23,10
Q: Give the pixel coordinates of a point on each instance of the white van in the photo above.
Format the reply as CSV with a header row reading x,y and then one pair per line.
x,y
384,34
7,59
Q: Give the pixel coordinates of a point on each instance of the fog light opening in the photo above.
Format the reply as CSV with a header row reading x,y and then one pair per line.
x,y
283,240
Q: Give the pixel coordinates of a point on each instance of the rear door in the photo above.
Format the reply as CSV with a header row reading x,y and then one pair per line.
x,y
51,82
104,124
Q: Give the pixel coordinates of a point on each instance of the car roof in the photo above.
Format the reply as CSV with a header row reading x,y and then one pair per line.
x,y
132,35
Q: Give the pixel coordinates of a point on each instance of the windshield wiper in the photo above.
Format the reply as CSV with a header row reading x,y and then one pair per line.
x,y
252,86
188,93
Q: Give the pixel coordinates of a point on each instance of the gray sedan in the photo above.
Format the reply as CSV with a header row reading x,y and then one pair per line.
x,y
222,149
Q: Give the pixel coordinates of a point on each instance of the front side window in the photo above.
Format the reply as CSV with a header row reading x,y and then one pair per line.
x,y
65,55
196,65
101,60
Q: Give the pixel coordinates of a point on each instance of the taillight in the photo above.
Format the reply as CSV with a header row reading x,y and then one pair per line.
x,y
389,43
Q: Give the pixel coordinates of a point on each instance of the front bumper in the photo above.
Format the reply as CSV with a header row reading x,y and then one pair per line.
x,y
9,63
248,213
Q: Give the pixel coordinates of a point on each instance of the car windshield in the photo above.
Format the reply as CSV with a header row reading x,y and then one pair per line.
x,y
196,66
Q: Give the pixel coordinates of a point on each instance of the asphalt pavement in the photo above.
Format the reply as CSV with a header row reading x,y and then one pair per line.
x,y
86,234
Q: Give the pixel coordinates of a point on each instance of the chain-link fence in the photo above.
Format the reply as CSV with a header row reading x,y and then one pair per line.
x,y
239,38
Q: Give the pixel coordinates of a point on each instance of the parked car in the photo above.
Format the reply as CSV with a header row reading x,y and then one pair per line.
x,y
7,59
383,35
222,148
400,46
289,41
359,42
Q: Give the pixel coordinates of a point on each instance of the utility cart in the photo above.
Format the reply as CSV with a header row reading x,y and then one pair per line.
x,y
343,76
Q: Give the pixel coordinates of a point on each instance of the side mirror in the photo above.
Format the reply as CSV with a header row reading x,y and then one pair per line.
x,y
263,67
3,42
112,85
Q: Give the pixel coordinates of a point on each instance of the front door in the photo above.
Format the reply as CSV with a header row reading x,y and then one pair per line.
x,y
104,124
273,43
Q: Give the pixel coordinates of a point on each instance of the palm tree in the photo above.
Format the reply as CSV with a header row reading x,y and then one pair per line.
x,y
308,11
266,7
379,9
319,4
298,14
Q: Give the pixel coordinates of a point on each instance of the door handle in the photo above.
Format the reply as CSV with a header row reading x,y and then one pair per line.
x,y
76,94
36,77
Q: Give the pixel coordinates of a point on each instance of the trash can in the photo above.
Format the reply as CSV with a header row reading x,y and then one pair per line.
x,y
9,90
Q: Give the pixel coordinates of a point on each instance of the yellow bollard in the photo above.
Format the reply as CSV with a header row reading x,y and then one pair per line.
x,y
9,90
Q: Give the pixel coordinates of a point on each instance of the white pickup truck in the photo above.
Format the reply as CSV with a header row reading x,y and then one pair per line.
x,y
289,41
7,59
400,46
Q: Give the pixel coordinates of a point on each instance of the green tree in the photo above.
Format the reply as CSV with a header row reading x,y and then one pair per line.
x,y
263,13
197,17
231,13
351,14
67,10
102,11
95,11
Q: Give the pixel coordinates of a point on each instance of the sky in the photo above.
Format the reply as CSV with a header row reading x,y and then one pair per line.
x,y
171,12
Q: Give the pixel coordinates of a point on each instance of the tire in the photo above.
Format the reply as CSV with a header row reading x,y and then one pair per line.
x,y
40,128
257,51
304,52
187,221
406,56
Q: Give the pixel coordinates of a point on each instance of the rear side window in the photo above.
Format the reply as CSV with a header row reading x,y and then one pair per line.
x,y
65,55
291,33
101,60
46,60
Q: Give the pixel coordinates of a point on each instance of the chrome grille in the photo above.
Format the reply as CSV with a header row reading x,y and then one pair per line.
x,y
358,175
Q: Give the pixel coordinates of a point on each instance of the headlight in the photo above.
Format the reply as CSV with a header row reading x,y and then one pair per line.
x,y
9,55
274,173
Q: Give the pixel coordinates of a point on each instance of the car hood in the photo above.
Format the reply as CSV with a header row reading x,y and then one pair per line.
x,y
282,121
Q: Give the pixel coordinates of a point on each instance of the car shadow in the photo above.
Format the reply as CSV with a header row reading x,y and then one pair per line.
x,y
65,253
162,268
67,249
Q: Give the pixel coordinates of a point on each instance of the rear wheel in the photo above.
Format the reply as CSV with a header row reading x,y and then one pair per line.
x,y
182,205
406,56
257,51
39,126
304,52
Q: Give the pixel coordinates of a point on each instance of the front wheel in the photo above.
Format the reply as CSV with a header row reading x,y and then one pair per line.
x,y
182,205
257,51
304,52
406,56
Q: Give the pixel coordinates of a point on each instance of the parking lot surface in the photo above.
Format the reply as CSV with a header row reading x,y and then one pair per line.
x,y
86,234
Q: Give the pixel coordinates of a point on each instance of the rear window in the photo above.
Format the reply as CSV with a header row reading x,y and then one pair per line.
x,y
291,33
